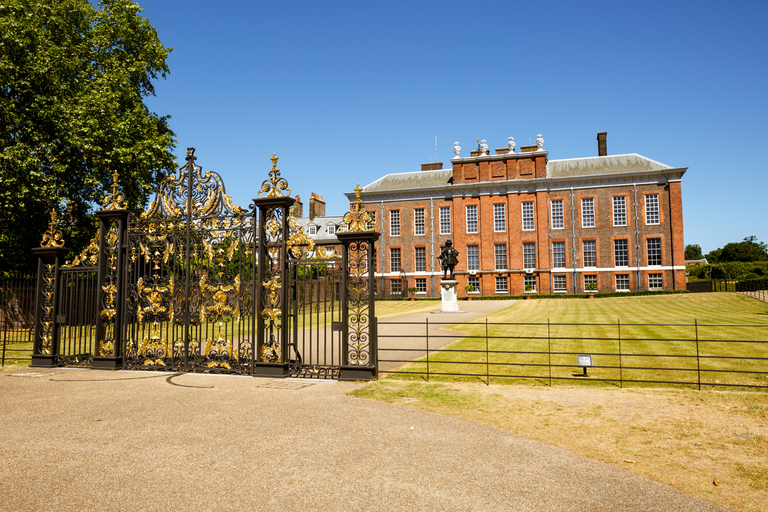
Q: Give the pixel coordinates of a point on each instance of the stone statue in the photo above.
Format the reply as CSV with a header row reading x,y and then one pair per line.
x,y
511,144
483,147
540,142
448,259
456,149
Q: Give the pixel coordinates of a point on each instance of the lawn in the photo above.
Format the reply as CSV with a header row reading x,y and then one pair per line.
x,y
712,338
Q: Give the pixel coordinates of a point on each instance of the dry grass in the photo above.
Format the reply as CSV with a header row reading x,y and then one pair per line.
x,y
683,438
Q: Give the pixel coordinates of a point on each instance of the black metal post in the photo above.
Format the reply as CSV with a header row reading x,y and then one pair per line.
x,y
45,348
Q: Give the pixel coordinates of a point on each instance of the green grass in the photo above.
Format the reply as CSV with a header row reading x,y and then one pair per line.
x,y
543,336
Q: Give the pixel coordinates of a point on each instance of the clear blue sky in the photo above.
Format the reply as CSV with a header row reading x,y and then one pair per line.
x,y
345,92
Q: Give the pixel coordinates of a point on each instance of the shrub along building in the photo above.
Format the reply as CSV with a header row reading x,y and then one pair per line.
x,y
524,223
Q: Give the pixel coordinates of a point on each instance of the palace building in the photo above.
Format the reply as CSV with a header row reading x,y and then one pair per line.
x,y
525,224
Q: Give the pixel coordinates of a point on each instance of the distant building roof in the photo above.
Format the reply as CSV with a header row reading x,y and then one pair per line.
x,y
322,223
410,180
597,165
702,261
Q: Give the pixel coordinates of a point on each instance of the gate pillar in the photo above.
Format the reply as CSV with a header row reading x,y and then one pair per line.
x,y
50,256
360,339
113,223
271,286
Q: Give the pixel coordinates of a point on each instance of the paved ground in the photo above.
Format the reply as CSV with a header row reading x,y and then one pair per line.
x,y
90,440
404,338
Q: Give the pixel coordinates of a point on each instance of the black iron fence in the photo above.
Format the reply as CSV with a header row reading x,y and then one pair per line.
x,y
692,355
17,306
757,288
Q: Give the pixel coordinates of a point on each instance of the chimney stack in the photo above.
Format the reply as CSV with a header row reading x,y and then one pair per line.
x,y
298,208
602,145
432,166
316,206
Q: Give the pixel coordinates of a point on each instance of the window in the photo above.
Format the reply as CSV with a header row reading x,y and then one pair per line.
x,y
652,209
558,216
653,249
558,254
589,253
559,283
331,230
529,284
620,253
588,280
394,223
372,225
528,222
622,282
421,259
619,211
499,217
655,282
500,256
421,285
501,284
529,255
472,218
473,258
474,281
445,220
588,212
394,259
418,221
395,286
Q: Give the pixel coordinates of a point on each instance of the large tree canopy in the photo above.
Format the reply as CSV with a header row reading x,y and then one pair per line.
x,y
72,82
750,249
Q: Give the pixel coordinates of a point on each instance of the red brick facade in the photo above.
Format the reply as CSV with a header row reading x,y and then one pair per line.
x,y
638,246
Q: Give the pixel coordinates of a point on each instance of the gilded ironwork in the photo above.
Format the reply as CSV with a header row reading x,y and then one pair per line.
x,y
272,187
115,200
356,219
358,304
297,237
46,316
52,237
89,256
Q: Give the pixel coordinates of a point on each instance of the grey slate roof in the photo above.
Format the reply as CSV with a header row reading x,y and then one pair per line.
x,y
597,165
410,180
322,224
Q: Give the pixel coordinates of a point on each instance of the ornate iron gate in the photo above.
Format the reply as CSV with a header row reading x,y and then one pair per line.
x,y
195,283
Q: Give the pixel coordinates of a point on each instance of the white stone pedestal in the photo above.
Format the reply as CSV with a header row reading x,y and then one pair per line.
x,y
450,302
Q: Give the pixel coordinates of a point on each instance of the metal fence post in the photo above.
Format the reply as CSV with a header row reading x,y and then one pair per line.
x,y
621,373
427,332
698,362
487,370
549,353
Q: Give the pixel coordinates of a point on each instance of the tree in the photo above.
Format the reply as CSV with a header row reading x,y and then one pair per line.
x,y
750,249
72,81
693,252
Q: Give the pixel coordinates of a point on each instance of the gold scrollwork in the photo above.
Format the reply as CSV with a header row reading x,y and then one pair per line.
x,y
52,237
357,219
115,200
89,255
272,186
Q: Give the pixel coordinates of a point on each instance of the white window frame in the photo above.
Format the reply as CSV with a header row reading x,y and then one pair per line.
x,y
532,281
331,229
394,222
471,257
657,277
619,210
311,229
592,253
528,215
471,217
651,251
399,259
621,254
587,212
372,225
416,259
590,278
652,214
499,217
445,220
559,283
419,225
393,284
529,257
500,256
557,255
474,281
557,213
624,280
421,284
501,284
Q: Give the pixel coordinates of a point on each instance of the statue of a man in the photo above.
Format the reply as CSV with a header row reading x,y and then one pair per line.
x,y
448,258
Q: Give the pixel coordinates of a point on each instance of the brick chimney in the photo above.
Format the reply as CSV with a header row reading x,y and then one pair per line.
x,y
602,145
298,208
432,166
316,206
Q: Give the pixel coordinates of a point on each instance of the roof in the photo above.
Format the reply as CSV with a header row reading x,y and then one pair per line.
x,y
597,165
322,224
410,180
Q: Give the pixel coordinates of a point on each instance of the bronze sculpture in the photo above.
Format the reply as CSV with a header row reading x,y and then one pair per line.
x,y
448,259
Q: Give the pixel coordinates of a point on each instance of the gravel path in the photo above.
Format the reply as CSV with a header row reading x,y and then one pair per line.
x,y
90,440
